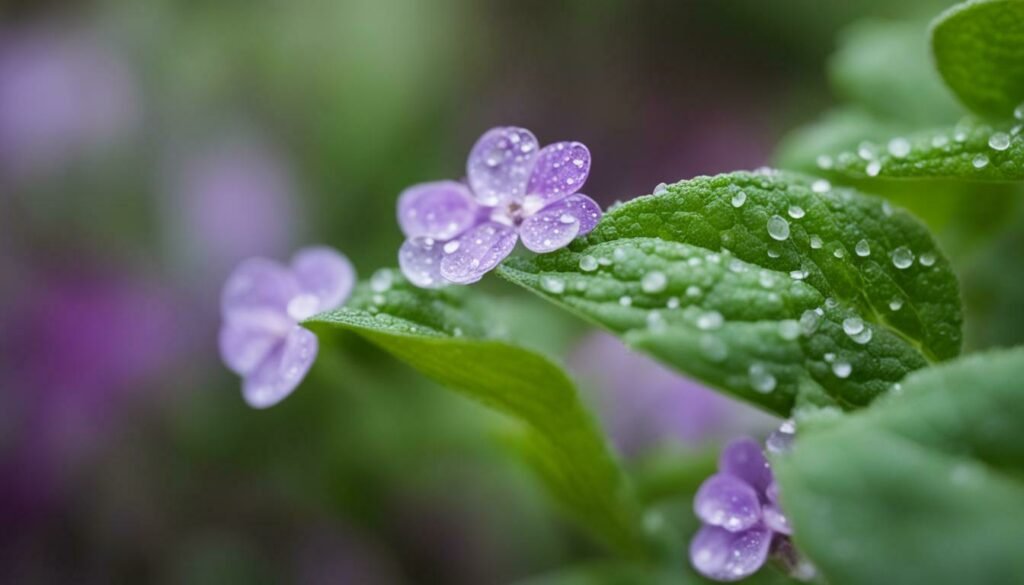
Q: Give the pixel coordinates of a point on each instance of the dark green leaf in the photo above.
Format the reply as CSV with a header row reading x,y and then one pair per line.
x,y
441,334
694,277
979,51
923,487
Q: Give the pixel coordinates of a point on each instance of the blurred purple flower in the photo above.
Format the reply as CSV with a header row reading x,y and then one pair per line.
x,y
516,190
262,304
228,201
742,521
62,95
645,405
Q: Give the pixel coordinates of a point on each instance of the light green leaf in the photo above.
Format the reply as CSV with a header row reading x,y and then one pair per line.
x,y
979,51
923,487
886,67
441,334
970,151
695,278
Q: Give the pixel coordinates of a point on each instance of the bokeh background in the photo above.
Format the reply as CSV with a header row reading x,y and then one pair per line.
x,y
147,146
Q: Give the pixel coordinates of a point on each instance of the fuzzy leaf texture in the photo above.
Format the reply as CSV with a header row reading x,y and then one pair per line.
x,y
440,334
928,486
702,278
979,51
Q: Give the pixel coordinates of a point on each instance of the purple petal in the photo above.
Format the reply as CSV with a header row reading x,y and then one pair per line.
x,y
727,501
744,459
556,225
326,278
772,491
467,258
282,371
560,170
776,520
440,210
259,289
719,554
245,345
499,164
420,261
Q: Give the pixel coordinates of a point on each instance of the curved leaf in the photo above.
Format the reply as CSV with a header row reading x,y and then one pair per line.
x,y
440,334
927,487
979,51
696,278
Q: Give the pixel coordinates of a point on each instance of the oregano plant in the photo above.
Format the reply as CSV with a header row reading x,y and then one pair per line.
x,y
797,289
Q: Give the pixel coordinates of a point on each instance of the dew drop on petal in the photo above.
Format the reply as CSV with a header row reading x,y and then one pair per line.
x,y
451,247
778,228
902,257
654,282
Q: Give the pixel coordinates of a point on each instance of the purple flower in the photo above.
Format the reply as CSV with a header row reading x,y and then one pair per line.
x,y
740,511
262,304
456,232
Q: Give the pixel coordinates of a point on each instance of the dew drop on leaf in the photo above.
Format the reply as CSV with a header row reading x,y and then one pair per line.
x,y
902,257
778,228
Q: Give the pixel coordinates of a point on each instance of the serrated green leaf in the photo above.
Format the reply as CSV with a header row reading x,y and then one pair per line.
x,y
442,335
979,51
728,311
969,151
885,66
923,487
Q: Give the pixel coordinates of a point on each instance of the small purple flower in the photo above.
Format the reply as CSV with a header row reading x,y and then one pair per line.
x,y
456,232
740,511
262,304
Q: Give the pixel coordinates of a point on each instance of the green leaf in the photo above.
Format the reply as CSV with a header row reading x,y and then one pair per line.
x,y
924,487
441,334
886,67
969,151
694,278
812,148
979,51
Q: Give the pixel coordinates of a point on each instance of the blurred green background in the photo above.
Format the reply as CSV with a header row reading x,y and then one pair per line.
x,y
148,146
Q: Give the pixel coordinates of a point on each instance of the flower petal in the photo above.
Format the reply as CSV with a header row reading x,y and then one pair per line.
x,y
727,501
719,554
282,370
561,169
776,520
556,225
324,274
420,261
245,345
467,258
744,459
500,163
439,210
258,292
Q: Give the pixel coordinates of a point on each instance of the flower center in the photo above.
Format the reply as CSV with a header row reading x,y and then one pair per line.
x,y
515,210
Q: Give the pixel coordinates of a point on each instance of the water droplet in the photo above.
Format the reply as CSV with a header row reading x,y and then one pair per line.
x,y
940,140
816,242
553,285
739,199
653,282
773,251
451,247
999,141
886,208
778,228
661,189
781,440
789,329
863,337
796,212
766,279
927,259
821,186
693,291
825,161
798,274
830,357
896,304
902,257
566,218
588,263
710,320
863,248
381,280
809,321
626,300
1018,112
866,150
839,252
619,254
899,147
303,306
761,380
655,321
713,348
842,369
980,161
873,168
853,325
378,299
672,303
